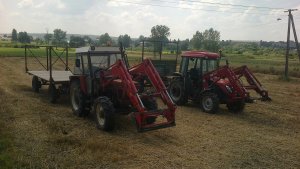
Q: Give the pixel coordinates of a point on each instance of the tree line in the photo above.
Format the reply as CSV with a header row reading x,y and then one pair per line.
x,y
206,40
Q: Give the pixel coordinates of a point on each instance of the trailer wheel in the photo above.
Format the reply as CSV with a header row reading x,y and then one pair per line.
x,y
104,114
150,104
236,107
177,92
210,102
36,84
53,93
78,100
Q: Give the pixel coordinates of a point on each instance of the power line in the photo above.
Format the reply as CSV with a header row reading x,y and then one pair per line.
x,y
234,7
210,10
225,4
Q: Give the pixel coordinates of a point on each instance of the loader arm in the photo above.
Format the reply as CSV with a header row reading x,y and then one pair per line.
x,y
120,71
146,69
253,82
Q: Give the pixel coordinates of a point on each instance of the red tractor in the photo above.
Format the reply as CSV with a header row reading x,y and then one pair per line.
x,y
104,84
201,80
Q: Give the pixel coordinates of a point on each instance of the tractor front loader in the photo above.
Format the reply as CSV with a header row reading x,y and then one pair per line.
x,y
146,70
143,115
106,86
253,83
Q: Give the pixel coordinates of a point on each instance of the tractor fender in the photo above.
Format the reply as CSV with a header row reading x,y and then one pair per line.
x,y
82,80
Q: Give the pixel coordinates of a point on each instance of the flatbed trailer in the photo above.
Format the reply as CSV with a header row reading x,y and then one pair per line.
x,y
58,81
58,77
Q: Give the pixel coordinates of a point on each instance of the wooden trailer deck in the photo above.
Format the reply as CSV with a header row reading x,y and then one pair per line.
x,y
57,76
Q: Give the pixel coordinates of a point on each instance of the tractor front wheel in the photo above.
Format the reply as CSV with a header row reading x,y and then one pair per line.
x,y
210,102
104,113
78,100
177,92
236,107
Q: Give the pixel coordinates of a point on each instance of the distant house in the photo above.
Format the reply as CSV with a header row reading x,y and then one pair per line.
x,y
5,37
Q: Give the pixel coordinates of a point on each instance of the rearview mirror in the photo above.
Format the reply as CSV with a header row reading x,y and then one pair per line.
x,y
77,62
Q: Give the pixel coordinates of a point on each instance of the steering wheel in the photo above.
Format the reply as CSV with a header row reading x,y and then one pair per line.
x,y
98,70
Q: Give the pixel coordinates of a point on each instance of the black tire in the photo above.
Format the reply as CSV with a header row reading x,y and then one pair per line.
x,y
210,102
53,93
78,100
104,114
150,104
177,92
36,84
236,107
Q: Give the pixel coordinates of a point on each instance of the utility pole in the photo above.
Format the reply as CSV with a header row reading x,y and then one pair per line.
x,y
290,21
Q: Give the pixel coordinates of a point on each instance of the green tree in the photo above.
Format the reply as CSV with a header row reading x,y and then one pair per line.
x,y
14,36
160,33
184,45
141,38
211,40
59,37
76,41
197,40
105,39
38,41
23,37
125,40
48,38
87,39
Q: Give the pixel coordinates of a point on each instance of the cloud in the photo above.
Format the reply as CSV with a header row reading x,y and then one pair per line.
x,y
25,3
115,17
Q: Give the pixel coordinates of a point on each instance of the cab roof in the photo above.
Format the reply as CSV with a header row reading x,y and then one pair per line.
x,y
92,49
200,54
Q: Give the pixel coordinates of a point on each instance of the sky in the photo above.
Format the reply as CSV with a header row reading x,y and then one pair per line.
x,y
252,20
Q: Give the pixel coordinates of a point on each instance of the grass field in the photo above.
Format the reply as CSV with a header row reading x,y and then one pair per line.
x,y
268,62
37,134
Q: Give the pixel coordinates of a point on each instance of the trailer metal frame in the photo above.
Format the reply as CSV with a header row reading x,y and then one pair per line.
x,y
48,76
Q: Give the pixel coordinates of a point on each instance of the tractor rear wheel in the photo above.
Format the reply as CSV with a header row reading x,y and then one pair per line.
x,y
150,104
104,113
36,84
210,102
53,93
236,107
78,100
177,92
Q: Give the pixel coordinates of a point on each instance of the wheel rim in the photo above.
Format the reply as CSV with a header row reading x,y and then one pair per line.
x,y
207,103
175,92
75,98
100,114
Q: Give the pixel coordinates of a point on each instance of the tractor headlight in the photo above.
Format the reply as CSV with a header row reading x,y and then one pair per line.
x,y
228,89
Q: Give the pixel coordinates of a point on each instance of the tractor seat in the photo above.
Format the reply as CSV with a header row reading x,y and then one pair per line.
x,y
194,74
